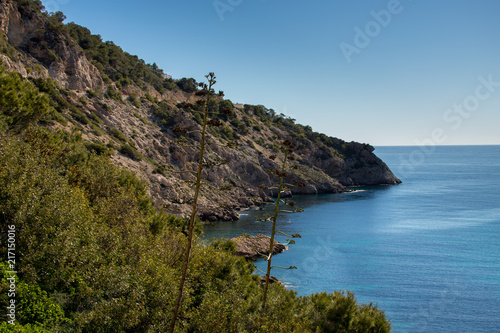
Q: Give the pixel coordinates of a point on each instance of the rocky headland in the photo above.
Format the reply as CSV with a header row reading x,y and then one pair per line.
x,y
134,116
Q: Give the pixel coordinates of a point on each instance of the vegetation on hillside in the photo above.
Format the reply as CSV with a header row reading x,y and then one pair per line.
x,y
117,65
125,69
93,254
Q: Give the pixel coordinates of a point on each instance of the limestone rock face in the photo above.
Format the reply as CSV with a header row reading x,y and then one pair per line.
x,y
63,61
360,166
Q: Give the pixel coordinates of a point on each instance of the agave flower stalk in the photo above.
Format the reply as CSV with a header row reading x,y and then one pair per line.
x,y
287,148
175,313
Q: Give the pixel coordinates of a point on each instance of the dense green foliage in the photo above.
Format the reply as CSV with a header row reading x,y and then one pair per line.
x,y
33,5
20,102
188,85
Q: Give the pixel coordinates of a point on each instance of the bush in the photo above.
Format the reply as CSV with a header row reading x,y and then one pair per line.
x,y
226,132
169,84
113,94
34,306
242,129
187,85
21,104
134,100
98,148
151,98
96,118
340,312
91,93
117,134
162,111
33,5
127,150
79,116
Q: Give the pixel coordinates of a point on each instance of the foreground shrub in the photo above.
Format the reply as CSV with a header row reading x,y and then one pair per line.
x,y
340,312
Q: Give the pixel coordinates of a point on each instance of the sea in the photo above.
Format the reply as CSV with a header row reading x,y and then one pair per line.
x,y
427,251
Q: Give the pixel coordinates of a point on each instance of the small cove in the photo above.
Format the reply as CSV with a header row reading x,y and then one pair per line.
x,y
425,251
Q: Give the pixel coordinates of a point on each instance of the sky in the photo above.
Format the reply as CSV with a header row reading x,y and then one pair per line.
x,y
391,72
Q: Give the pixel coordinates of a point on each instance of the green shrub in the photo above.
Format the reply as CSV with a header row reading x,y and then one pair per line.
x,y
91,93
188,85
117,134
163,111
113,94
134,100
151,98
226,132
33,305
79,116
142,119
169,84
21,104
97,147
242,129
96,118
128,150
59,118
96,129
340,312
159,169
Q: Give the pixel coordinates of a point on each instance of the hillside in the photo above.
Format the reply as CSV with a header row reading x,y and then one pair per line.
x,y
94,149
125,108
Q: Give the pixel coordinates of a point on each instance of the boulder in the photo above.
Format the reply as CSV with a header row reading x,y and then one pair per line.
x,y
272,279
254,247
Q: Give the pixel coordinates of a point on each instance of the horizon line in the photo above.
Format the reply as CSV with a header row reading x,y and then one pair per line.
x,y
449,145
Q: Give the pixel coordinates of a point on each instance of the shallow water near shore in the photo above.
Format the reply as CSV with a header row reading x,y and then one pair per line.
x,y
426,251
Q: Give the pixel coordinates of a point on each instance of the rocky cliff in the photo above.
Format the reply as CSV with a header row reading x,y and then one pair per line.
x,y
57,55
135,120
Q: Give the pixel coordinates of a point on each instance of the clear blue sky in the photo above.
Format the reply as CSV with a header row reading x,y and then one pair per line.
x,y
380,72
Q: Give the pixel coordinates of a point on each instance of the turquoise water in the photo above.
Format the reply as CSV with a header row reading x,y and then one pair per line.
x,y
426,251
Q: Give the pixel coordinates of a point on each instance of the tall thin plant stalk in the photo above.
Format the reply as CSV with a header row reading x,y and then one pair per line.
x,y
175,312
287,148
273,233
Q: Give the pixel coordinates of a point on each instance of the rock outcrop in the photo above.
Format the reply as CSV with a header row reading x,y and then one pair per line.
x,y
272,279
51,49
358,166
254,247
